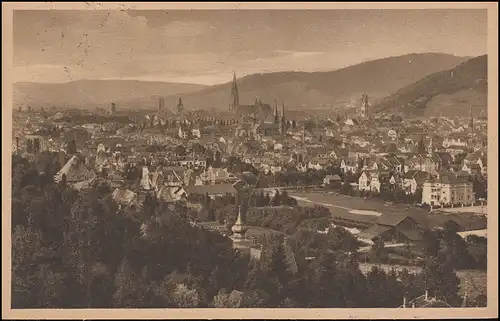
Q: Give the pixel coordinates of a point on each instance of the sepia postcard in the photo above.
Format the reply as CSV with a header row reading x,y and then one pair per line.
x,y
249,160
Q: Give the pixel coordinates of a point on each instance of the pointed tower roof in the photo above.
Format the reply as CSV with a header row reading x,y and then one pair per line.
x,y
239,229
234,85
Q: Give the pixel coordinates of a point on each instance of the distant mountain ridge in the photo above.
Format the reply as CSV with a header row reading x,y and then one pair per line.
x,y
332,89
96,92
448,93
340,88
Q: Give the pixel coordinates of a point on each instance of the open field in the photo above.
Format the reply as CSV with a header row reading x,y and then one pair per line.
x,y
355,205
366,210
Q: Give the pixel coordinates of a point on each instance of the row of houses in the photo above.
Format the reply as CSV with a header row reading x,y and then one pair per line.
x,y
441,189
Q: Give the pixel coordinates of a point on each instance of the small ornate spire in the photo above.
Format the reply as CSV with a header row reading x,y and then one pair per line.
x,y
239,229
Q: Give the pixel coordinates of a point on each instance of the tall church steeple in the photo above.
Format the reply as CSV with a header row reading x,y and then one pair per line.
x,y
283,126
235,96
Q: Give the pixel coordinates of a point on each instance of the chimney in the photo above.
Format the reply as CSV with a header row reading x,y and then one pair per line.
x,y
404,302
426,295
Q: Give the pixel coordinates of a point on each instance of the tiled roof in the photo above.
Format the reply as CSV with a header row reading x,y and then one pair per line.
x,y
75,170
374,231
124,197
211,189
413,235
448,178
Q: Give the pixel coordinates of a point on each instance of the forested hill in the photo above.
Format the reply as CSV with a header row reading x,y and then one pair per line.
x,y
449,93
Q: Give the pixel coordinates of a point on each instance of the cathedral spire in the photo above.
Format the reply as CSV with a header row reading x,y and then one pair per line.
x,y
235,96
283,124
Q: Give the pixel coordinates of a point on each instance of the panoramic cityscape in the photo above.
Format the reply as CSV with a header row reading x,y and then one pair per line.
x,y
249,159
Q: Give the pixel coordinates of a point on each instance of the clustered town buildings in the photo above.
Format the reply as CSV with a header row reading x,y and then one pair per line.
x,y
435,157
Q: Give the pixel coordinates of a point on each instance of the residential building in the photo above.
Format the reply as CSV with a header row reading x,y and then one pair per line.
x,y
413,180
455,139
349,164
478,157
332,180
213,191
369,181
217,176
448,190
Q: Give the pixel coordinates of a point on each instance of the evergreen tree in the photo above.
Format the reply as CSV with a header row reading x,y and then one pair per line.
x,y
126,286
441,281
378,250
432,243
277,274
322,284
276,199
267,200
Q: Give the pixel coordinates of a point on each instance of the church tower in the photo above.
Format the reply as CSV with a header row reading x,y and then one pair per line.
x,y
283,120
235,96
471,120
364,105
180,106
161,104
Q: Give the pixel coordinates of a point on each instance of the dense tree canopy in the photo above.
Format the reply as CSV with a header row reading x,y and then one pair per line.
x,y
79,249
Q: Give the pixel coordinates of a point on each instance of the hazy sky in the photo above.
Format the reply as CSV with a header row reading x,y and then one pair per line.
x,y
207,46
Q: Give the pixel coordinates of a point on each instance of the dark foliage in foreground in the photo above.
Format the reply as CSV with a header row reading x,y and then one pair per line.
x,y
81,250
